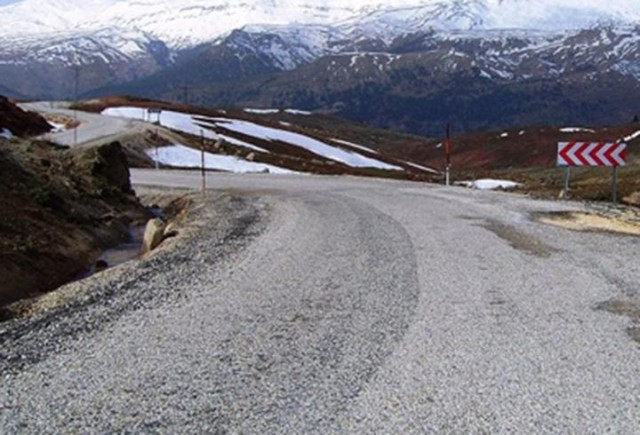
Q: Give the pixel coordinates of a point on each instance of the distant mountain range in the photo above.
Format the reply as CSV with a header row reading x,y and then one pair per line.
x,y
412,66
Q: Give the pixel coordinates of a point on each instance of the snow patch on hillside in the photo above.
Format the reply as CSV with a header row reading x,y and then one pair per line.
x,y
315,146
422,168
57,127
354,145
182,122
262,111
238,142
490,184
198,125
181,156
632,136
6,133
576,130
298,112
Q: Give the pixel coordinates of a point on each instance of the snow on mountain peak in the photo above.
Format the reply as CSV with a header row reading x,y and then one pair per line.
x,y
183,23
189,21
456,15
560,14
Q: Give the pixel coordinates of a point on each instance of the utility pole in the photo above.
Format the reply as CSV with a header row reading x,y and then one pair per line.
x,y
157,155
567,182
614,188
204,173
447,150
76,76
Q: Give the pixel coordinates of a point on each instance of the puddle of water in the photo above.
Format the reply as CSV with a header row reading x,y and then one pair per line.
x,y
124,252
111,257
117,255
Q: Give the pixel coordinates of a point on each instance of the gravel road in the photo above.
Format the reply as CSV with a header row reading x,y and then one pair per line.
x,y
93,129
303,304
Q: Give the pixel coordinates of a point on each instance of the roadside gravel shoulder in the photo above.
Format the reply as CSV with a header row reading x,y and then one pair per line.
x,y
228,222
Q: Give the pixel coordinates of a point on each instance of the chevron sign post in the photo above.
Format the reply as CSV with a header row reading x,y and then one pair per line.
x,y
592,154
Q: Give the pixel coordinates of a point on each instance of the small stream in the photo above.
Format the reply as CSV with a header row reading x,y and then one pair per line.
x,y
109,257
121,253
126,251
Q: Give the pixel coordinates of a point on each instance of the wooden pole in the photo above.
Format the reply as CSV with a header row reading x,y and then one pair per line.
x,y
157,157
447,148
204,174
614,188
567,179
76,79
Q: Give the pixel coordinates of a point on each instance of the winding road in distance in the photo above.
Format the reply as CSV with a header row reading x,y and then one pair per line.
x,y
306,304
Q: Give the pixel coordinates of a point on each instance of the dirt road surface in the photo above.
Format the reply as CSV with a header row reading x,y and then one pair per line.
x,y
303,304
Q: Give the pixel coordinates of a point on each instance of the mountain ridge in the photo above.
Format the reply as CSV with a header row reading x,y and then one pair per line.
x,y
174,21
459,46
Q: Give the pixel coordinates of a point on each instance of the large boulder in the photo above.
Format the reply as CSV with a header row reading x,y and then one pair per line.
x,y
153,235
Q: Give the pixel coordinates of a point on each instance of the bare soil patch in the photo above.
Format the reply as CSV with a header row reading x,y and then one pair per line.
x,y
66,121
580,221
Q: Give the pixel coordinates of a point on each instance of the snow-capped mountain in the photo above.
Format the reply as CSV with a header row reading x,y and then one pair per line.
x,y
161,46
181,23
419,82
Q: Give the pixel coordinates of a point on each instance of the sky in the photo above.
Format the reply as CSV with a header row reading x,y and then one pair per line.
x,y
6,2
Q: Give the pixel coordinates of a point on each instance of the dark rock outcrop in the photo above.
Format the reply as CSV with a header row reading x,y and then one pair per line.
x,y
61,208
20,122
107,164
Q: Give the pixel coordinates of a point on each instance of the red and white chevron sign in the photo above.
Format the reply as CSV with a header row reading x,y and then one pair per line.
x,y
592,154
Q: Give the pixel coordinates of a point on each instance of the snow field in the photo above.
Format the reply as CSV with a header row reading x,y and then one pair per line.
x,y
201,125
310,144
174,120
181,156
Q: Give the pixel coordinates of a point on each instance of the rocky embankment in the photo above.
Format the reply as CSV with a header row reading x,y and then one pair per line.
x,y
61,208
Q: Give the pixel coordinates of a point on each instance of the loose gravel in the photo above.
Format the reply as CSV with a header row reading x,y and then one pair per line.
x,y
341,305
99,300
